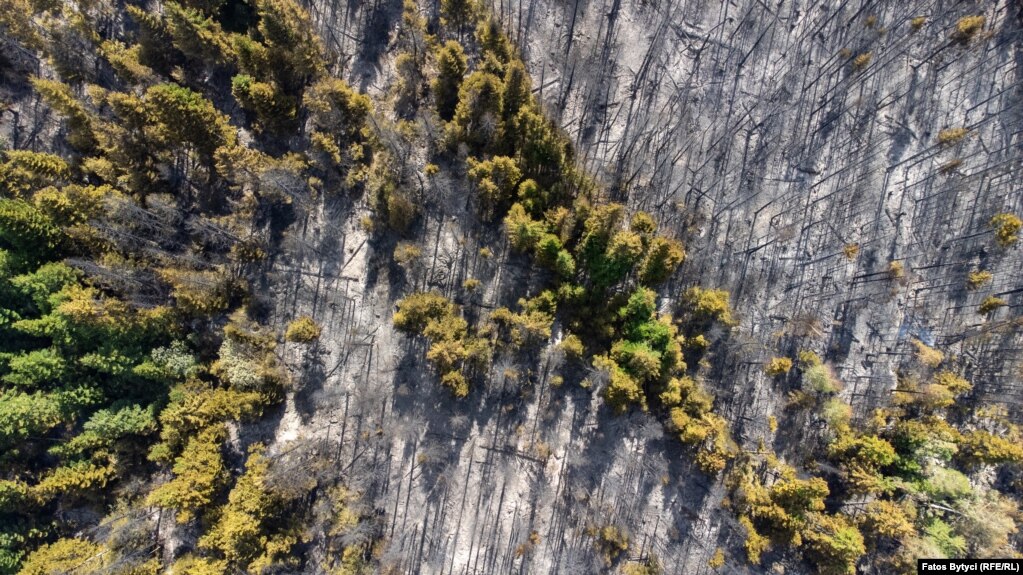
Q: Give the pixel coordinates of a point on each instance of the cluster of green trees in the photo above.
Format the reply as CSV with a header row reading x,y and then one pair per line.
x,y
83,373
609,541
646,364
255,530
601,267
639,355
791,511
903,484
128,338
454,351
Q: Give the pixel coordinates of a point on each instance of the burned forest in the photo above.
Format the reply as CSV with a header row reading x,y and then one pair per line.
x,y
636,287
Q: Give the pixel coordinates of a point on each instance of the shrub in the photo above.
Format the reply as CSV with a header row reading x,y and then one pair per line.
x,y
978,278
808,358
928,396
717,561
837,414
401,211
914,547
986,523
954,382
610,542
710,304
942,535
416,310
406,254
649,567
862,61
918,22
778,366
302,330
820,379
1007,228
200,292
967,27
945,484
990,304
927,355
850,251
896,270
950,166
246,359
951,136
572,346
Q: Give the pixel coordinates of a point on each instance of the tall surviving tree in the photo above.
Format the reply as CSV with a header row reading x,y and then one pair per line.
x,y
541,149
181,117
477,119
197,35
252,531
451,68
294,51
459,13
516,90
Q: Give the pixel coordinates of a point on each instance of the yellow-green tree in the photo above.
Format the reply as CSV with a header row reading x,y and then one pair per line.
x,y
451,68
477,118
249,532
496,181
199,474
